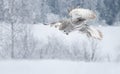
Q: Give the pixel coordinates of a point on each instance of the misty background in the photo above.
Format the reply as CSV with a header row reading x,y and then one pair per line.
x,y
46,11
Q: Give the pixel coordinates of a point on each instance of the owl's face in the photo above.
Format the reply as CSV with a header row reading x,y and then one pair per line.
x,y
66,31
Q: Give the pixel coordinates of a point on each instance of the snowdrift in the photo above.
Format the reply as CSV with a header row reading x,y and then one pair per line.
x,y
57,67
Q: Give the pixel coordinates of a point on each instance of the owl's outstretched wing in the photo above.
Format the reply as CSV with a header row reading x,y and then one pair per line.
x,y
82,13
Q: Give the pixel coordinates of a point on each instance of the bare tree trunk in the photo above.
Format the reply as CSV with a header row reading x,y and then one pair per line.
x,y
12,40
26,43
93,54
12,20
43,11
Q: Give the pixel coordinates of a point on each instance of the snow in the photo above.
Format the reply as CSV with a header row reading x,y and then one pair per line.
x,y
111,41
57,67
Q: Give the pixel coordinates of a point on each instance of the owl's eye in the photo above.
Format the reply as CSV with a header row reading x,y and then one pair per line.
x,y
67,33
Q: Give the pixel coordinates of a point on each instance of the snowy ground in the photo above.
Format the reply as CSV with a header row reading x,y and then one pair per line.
x,y
57,67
